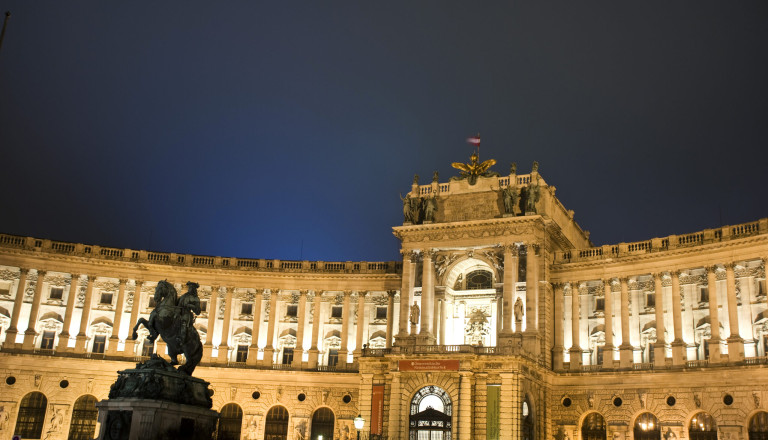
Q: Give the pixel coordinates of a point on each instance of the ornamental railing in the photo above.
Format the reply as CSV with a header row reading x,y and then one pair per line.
x,y
671,242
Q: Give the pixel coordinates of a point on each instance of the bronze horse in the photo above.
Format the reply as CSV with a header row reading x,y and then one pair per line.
x,y
168,320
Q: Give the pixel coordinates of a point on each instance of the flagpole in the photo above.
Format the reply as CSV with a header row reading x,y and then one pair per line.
x,y
5,23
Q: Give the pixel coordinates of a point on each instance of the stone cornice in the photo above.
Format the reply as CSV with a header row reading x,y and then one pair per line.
x,y
521,225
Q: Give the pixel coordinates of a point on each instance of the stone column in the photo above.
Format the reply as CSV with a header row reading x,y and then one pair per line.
x,y
625,349
406,292
223,353
269,349
510,281
443,321
735,342
557,350
10,334
465,404
390,315
298,352
71,300
213,309
427,298
114,339
365,399
436,318
82,340
714,316
480,402
253,350
130,343
660,349
575,350
531,288
360,325
30,333
313,350
396,421
509,423
344,351
678,346
608,318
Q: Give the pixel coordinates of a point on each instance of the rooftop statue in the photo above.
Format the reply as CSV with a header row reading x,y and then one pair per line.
x,y
173,320
472,170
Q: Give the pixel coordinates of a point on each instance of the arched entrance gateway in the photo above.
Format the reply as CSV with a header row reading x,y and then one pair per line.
x,y
431,414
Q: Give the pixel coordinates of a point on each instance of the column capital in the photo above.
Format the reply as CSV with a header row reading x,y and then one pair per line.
x,y
259,291
274,291
533,246
362,293
624,280
229,288
303,292
730,266
429,253
711,268
347,293
216,289
138,283
23,270
558,285
657,275
513,249
92,278
391,293
74,276
122,281
607,281
41,272
675,274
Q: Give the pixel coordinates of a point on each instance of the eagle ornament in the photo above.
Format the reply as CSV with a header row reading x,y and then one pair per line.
x,y
472,170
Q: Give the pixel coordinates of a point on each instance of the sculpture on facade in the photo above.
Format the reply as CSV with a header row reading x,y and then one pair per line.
x,y
415,313
474,169
173,320
429,207
407,213
519,310
531,196
510,195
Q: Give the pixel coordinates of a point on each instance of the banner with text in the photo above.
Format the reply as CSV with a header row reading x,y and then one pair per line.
x,y
493,411
377,410
429,365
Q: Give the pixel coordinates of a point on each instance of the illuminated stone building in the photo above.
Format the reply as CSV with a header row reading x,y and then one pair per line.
x,y
524,329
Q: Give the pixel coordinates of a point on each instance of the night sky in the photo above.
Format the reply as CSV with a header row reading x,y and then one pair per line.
x,y
288,129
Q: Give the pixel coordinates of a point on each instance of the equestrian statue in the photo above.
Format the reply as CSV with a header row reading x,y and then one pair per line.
x,y
174,319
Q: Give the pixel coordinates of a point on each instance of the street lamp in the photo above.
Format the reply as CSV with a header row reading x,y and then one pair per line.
x,y
359,424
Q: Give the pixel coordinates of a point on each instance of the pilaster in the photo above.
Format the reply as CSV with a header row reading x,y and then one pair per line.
x,y
30,334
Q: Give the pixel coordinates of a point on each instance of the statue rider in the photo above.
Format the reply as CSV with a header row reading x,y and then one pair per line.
x,y
189,303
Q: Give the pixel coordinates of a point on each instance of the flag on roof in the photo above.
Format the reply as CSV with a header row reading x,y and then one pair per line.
x,y
474,140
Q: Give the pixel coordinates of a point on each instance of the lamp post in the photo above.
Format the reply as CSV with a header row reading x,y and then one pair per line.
x,y
359,424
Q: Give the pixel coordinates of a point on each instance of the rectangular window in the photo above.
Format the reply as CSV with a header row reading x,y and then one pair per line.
x,y
706,349
600,350
336,311
599,304
704,294
291,311
56,293
650,299
333,357
242,353
381,312
246,309
151,302
106,298
287,356
204,306
47,341
99,343
147,349
651,352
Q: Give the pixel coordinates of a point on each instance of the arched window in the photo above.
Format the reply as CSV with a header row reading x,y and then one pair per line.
x,y
31,415
84,415
647,427
528,428
702,427
322,424
431,414
593,427
277,424
230,422
479,279
758,426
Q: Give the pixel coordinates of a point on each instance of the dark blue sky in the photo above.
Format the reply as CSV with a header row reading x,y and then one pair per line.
x,y
246,128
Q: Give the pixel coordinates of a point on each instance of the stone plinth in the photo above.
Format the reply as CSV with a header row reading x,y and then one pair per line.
x,y
154,401
146,419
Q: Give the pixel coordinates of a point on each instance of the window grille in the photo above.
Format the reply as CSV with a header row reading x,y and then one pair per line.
x,y
242,353
99,343
31,415
230,421
84,415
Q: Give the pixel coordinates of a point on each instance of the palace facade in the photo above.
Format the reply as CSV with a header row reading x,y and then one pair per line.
x,y
501,321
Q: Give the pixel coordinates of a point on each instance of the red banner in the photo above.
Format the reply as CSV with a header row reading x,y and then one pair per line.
x,y
429,365
377,410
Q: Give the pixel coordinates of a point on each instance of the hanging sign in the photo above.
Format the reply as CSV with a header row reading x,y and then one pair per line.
x,y
377,410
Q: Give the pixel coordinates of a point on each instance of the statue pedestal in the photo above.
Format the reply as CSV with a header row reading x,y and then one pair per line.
x,y
144,419
154,401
